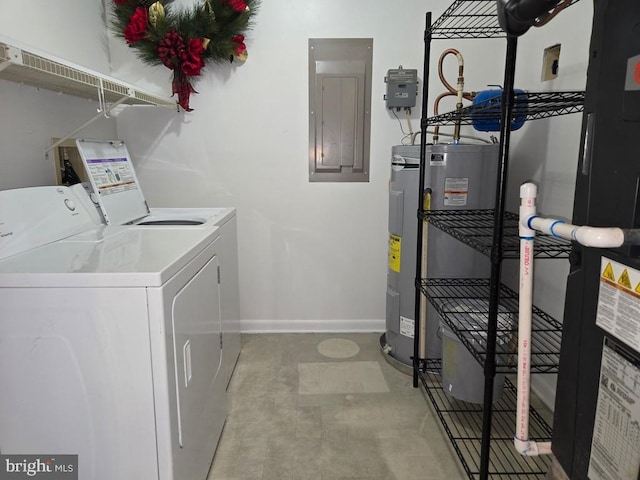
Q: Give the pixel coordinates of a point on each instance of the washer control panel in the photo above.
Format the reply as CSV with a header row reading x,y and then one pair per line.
x,y
35,216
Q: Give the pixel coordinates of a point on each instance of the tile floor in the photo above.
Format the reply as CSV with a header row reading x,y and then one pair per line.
x,y
344,414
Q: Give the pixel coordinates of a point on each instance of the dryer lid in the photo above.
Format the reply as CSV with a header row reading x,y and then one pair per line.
x,y
114,180
105,256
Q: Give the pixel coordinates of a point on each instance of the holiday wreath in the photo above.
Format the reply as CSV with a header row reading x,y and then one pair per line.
x,y
183,40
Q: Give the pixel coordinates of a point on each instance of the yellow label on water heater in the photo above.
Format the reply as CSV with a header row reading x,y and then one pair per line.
x,y
395,247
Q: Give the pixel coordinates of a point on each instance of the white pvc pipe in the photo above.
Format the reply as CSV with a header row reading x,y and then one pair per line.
x,y
531,448
599,237
522,444
528,193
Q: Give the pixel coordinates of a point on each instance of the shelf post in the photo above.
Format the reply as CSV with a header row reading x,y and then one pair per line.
x,y
496,252
420,212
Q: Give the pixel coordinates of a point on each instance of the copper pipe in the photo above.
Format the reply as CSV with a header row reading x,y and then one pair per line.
x,y
459,91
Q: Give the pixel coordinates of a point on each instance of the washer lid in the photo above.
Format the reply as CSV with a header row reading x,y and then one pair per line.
x,y
113,178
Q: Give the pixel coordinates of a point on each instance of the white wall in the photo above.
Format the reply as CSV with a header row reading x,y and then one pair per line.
x,y
30,117
69,29
312,256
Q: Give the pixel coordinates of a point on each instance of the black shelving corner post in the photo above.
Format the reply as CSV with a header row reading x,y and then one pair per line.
x,y
496,252
420,212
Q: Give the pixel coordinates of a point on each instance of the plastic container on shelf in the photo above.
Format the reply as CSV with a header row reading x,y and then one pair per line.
x,y
462,375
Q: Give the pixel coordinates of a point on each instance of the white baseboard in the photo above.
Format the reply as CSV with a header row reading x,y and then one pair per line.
x,y
312,326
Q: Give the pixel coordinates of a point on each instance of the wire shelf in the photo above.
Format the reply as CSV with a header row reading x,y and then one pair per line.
x,y
469,19
475,228
463,304
25,65
529,106
462,423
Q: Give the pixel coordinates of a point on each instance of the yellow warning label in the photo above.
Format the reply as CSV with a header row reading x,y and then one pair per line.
x,y
618,303
608,272
624,279
395,247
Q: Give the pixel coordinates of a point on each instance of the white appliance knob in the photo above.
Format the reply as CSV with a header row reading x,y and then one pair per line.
x,y
69,204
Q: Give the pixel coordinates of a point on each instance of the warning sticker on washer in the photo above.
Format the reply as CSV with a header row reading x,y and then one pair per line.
x,y
456,191
407,326
619,302
111,175
615,448
395,248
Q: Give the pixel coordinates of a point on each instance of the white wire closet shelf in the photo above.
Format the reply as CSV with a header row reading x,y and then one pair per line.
x,y
27,65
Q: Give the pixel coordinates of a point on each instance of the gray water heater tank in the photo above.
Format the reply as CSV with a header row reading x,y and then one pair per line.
x,y
460,177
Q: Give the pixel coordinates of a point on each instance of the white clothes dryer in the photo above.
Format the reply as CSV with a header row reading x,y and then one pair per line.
x,y
110,340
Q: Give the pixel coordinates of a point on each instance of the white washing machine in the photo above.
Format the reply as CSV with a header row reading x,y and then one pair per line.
x,y
110,340
116,191
117,196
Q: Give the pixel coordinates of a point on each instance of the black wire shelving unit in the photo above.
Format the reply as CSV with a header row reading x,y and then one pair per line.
x,y
482,435
462,304
475,228
462,422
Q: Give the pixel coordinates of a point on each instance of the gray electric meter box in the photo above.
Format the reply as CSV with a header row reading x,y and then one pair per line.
x,y
402,88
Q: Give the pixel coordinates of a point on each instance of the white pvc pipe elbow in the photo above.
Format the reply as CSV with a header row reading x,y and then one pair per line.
x,y
529,448
598,237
